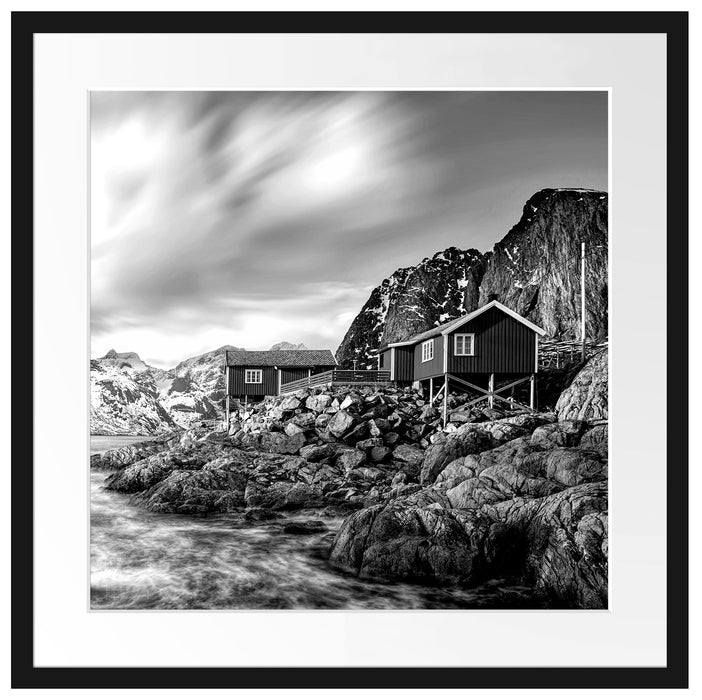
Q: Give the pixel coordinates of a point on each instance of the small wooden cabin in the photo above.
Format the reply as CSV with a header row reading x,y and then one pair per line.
x,y
488,352
253,374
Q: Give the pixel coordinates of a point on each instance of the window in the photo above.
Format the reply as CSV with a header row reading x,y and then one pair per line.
x,y
253,376
427,350
464,344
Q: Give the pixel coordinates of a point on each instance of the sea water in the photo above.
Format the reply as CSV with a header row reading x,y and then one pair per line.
x,y
142,560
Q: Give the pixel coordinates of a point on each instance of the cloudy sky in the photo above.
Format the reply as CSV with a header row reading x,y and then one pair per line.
x,y
253,217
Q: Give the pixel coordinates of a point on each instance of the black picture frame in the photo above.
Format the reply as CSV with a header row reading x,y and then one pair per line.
x,y
674,25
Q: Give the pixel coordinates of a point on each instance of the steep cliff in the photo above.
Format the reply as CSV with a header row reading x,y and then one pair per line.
x,y
412,300
534,269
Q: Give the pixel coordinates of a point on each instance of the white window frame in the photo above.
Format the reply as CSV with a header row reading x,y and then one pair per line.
x,y
428,350
253,372
472,344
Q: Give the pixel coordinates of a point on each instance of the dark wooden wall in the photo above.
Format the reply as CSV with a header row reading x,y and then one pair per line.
x,y
404,363
269,387
503,345
237,386
292,374
433,367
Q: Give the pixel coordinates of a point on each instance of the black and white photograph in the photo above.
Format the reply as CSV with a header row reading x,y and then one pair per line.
x,y
349,349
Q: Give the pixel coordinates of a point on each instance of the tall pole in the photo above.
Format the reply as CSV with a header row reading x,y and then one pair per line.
x,y
582,297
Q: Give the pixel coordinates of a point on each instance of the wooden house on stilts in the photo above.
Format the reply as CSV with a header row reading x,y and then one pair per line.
x,y
489,352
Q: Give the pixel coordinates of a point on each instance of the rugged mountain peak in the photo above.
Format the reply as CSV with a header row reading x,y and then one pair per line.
x,y
284,345
534,269
412,300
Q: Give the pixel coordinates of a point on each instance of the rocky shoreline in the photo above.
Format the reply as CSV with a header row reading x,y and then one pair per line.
x,y
492,495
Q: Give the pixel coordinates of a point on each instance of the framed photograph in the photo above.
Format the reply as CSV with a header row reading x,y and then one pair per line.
x,y
343,351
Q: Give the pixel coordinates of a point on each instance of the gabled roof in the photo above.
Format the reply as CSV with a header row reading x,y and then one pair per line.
x,y
281,358
450,326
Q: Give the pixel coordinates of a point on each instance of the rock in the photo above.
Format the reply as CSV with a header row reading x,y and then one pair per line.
x,y
316,453
112,460
443,452
350,459
195,492
564,542
562,434
596,440
369,443
429,413
351,402
304,527
258,515
341,423
292,429
587,396
322,421
360,432
305,421
318,403
460,417
281,443
411,543
289,403
391,439
282,495
409,454
379,454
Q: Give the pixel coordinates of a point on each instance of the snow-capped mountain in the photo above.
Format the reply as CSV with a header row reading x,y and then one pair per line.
x,y
130,397
534,269
410,300
124,400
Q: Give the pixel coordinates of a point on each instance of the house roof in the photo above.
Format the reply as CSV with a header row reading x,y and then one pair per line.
x,y
449,326
281,358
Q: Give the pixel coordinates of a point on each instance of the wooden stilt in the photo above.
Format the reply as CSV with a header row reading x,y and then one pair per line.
x,y
445,399
532,391
491,389
431,389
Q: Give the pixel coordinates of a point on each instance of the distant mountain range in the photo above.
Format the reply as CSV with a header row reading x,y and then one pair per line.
x,y
129,397
534,269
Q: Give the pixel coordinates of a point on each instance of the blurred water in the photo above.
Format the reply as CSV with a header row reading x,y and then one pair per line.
x,y
143,560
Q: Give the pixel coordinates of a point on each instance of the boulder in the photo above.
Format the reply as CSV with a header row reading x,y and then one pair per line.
x,y
304,527
305,421
316,453
350,459
379,454
195,492
561,434
391,439
318,403
444,451
587,396
563,542
360,432
112,460
258,515
289,403
281,443
292,429
341,423
405,542
411,454
596,440
369,443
